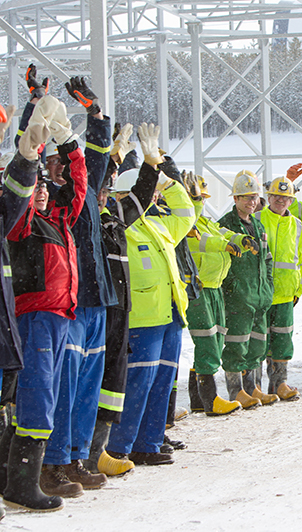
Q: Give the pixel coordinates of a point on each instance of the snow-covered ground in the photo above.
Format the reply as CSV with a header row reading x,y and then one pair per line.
x,y
239,473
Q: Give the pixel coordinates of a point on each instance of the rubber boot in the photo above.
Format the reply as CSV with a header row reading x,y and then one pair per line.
x,y
236,392
249,385
172,405
213,404
4,452
277,371
3,420
196,403
258,376
99,461
23,474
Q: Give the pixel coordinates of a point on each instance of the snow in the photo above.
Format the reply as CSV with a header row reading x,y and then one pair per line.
x,y
239,473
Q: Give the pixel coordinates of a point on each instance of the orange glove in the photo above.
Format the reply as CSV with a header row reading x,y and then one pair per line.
x,y
294,171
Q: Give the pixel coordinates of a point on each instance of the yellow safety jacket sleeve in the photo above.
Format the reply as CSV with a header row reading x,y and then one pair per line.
x,y
284,238
296,209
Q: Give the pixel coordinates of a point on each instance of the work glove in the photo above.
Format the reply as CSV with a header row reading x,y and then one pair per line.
x,y
38,129
233,249
121,145
194,233
148,137
294,171
60,126
78,90
251,244
296,299
36,89
192,185
5,119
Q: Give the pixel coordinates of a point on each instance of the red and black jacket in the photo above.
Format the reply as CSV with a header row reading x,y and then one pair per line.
x,y
42,249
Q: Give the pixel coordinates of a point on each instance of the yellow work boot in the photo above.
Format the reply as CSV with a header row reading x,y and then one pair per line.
x,y
180,413
286,393
265,398
112,467
222,407
247,401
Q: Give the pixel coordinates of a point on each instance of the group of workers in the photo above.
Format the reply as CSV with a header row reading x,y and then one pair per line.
x,y
96,291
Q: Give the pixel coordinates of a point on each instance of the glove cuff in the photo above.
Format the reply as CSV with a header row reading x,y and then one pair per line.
x,y
65,149
149,159
37,92
94,108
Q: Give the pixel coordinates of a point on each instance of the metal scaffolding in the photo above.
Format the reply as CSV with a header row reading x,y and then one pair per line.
x,y
57,33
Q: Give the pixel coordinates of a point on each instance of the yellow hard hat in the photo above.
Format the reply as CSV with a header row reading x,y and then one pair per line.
x,y
245,183
203,186
281,186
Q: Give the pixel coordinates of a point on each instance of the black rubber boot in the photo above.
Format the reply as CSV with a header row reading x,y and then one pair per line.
x,y
23,475
99,443
4,452
214,405
172,406
248,381
196,403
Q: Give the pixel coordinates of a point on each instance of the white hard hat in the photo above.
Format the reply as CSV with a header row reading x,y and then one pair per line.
x,y
51,148
245,183
126,180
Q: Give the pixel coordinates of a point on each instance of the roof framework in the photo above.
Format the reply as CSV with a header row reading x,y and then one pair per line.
x,y
57,33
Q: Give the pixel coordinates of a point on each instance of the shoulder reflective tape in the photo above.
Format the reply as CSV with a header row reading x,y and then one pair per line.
x,y
203,241
19,190
137,203
121,258
286,265
161,227
183,213
237,339
111,400
282,330
258,336
120,211
36,434
7,271
208,332
147,265
100,149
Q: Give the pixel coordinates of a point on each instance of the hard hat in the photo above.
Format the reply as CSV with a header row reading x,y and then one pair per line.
x,y
51,148
245,183
126,180
281,186
203,187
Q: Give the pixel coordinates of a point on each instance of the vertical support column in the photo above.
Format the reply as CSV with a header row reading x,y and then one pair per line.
x,y
162,85
266,141
99,54
111,93
38,28
12,78
83,20
194,30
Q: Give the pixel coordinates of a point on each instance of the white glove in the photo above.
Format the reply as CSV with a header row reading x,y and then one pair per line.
x,y
163,181
38,129
60,126
148,136
121,145
4,125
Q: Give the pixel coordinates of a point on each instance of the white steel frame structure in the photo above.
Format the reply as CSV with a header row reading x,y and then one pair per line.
x,y
53,32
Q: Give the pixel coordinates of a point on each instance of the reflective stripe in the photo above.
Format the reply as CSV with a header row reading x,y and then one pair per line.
x,y
286,265
79,349
208,332
20,132
147,265
263,244
258,215
108,224
7,271
151,364
121,258
120,211
184,213
300,209
111,400
19,190
237,339
234,236
161,227
282,330
137,203
223,230
203,241
269,255
299,227
37,434
100,149
258,336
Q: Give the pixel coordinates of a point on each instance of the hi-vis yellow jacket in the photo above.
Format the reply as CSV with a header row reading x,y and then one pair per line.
x,y
284,238
211,259
154,277
296,208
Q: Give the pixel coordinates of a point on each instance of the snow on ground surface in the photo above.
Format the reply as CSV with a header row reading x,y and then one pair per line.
x,y
239,473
